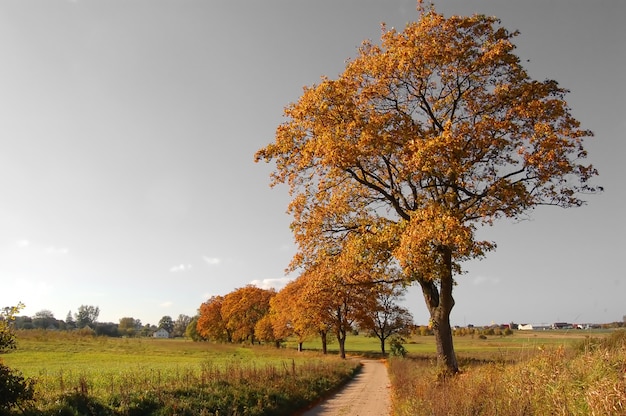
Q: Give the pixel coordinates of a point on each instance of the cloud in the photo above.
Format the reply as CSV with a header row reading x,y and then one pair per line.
x,y
212,261
181,268
485,280
22,243
271,283
56,250
166,304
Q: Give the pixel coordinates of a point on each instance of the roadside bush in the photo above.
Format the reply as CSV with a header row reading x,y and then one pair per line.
x,y
14,388
396,348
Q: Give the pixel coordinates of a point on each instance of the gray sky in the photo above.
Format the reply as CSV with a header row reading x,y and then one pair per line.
x,y
128,128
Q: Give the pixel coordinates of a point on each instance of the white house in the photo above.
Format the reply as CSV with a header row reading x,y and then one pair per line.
x,y
525,327
161,333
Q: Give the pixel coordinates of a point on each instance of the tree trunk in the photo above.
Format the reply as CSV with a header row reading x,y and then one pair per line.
x,y
299,346
341,338
440,303
324,342
382,345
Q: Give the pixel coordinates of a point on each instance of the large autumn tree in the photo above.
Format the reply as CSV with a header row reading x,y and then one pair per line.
x,y
242,308
437,130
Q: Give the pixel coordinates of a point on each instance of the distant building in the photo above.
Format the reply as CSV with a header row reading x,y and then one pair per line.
x,y
525,327
161,333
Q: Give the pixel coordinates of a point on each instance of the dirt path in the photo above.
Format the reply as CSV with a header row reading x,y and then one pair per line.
x,y
366,395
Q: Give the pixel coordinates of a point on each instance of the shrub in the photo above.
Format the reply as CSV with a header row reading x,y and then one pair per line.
x,y
396,348
14,388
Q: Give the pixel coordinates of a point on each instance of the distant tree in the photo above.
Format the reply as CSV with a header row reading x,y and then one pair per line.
x,y
167,323
192,330
108,329
264,331
69,321
129,326
87,315
23,322
147,330
387,318
291,315
44,319
180,325
211,324
337,297
243,308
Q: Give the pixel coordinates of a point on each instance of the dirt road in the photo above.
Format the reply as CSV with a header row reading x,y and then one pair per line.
x,y
366,395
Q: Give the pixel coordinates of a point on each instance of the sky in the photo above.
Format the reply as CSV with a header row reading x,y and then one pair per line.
x,y
128,129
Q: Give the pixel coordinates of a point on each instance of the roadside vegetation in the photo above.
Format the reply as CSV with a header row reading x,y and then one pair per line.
x,y
562,374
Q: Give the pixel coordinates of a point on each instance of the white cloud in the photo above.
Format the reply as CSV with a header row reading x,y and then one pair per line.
x,y
271,283
212,261
181,268
56,250
483,280
166,304
22,243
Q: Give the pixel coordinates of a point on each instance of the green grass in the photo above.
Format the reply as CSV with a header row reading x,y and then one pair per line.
x,y
144,376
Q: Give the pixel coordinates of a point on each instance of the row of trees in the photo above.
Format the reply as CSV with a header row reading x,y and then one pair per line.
x,y
310,306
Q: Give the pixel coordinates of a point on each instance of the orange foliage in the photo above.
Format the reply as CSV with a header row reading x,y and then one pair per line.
x,y
436,130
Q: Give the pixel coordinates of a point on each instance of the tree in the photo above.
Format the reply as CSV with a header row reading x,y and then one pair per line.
x,y
69,321
129,326
44,319
337,293
167,323
264,331
192,330
418,142
243,308
387,318
291,315
211,324
180,325
87,315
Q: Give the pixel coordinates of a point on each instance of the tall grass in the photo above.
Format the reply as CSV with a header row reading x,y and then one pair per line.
x,y
587,378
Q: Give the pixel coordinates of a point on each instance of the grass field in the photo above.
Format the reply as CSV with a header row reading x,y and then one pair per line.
x,y
145,376
86,375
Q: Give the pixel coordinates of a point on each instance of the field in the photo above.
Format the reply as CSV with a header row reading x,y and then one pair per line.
x,y
537,372
145,376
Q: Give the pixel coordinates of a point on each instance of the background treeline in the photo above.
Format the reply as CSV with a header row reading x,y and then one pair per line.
x,y
86,321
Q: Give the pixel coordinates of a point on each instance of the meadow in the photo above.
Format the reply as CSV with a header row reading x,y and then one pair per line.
x,y
87,375
527,373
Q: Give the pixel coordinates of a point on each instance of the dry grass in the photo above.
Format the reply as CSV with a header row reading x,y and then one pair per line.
x,y
587,378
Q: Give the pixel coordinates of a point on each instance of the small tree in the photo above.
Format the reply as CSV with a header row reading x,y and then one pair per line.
x,y
14,388
387,318
69,321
